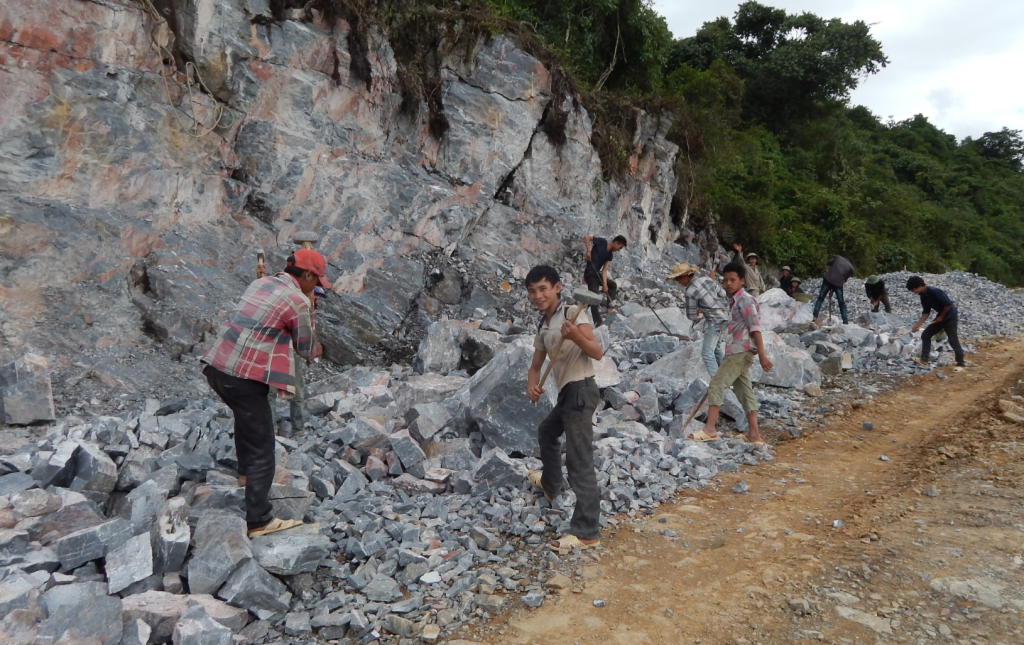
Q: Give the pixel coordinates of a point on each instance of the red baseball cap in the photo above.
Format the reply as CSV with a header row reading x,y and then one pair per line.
x,y
310,260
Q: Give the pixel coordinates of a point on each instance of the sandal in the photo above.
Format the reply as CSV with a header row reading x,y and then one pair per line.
x,y
273,526
534,477
919,362
701,436
565,545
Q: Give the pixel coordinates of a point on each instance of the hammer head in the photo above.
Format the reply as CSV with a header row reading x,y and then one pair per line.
x,y
302,238
588,298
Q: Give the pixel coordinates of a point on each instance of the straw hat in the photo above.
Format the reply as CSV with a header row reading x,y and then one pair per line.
x,y
682,269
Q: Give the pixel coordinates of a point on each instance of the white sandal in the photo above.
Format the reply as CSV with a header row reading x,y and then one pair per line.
x,y
566,544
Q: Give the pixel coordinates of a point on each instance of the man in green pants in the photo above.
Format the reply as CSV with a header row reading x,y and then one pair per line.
x,y
743,343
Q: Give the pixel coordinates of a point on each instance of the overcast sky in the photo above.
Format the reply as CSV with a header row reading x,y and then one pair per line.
x,y
958,62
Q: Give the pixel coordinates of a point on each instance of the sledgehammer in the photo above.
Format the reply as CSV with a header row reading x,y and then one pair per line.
x,y
584,299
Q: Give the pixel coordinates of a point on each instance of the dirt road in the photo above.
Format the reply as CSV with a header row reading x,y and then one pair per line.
x,y
911,532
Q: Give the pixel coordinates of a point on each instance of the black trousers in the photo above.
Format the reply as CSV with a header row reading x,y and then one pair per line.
x,y
950,327
595,284
573,416
254,439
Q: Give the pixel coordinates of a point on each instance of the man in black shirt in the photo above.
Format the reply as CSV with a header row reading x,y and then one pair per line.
x,y
936,299
877,293
786,280
600,253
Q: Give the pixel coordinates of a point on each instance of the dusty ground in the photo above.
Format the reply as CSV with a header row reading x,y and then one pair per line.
x,y
927,547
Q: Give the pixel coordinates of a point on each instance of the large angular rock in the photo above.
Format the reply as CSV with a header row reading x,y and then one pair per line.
x,y
495,398
291,552
142,504
129,563
792,367
440,350
407,449
34,503
59,469
358,430
425,388
94,470
478,348
75,549
80,612
498,469
195,627
289,502
17,592
221,545
25,393
160,611
170,536
416,486
684,364
779,311
426,420
382,589
251,587
16,482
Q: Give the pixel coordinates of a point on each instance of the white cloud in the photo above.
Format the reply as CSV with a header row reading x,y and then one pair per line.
x,y
956,62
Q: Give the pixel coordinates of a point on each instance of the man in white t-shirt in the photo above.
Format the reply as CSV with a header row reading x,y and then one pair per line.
x,y
573,414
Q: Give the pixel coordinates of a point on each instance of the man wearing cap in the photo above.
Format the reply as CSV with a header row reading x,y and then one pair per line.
x,y
754,282
252,354
785,281
875,289
704,297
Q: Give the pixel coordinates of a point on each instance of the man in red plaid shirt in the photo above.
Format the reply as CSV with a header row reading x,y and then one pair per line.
x,y
253,354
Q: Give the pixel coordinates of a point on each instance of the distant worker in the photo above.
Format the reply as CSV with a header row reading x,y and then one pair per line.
x,y
935,299
754,282
704,297
785,281
252,354
875,289
600,253
838,271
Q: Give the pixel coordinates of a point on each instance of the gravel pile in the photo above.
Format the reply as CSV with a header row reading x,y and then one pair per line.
x,y
420,521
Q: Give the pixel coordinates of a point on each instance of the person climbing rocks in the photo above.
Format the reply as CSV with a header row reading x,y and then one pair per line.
x,y
600,253
754,280
837,271
875,289
253,353
786,280
573,414
704,298
946,319
743,343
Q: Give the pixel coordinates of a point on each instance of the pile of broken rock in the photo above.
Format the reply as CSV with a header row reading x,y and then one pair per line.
x,y
419,520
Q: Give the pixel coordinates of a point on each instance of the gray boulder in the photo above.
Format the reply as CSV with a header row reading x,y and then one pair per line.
x,y
495,398
498,469
80,612
291,552
79,547
221,545
251,587
25,393
129,563
440,350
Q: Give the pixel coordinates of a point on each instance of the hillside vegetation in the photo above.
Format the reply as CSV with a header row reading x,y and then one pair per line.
x,y
776,157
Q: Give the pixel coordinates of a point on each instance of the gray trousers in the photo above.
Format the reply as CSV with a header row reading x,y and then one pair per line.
x,y
573,416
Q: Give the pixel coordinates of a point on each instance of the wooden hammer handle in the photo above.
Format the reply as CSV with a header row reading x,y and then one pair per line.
x,y
558,348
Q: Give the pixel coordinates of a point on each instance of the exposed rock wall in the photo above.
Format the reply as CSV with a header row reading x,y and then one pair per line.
x,y
131,205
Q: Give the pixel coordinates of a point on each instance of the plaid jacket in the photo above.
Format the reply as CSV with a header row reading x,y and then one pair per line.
x,y
744,319
255,342
704,294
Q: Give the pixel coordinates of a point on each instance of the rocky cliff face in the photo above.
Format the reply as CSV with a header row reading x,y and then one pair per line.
x,y
134,190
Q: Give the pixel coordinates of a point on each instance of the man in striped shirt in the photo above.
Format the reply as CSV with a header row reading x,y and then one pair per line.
x,y
704,297
253,354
